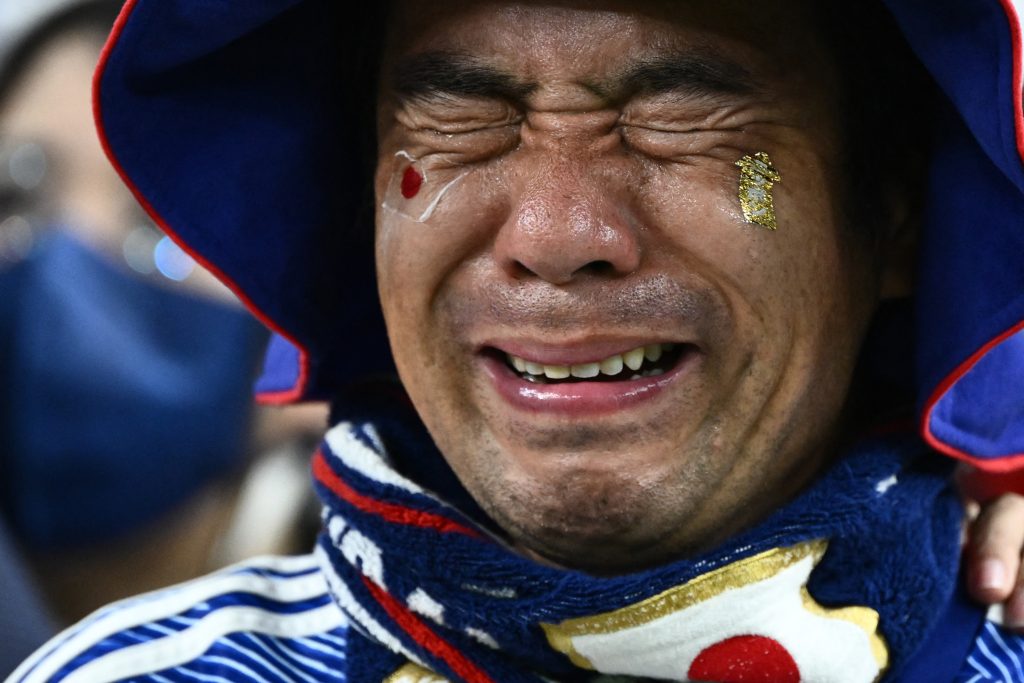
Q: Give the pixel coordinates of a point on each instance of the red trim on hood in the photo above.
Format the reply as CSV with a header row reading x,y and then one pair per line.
x,y
1018,70
1006,463
268,398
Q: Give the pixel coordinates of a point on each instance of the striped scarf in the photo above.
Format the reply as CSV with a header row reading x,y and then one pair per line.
x,y
840,586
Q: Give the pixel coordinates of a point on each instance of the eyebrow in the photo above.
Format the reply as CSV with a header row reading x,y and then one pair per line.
x,y
447,74
691,73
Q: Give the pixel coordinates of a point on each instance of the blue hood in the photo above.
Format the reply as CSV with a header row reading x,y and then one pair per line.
x,y
225,122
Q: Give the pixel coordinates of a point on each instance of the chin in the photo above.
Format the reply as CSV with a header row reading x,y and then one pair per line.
x,y
603,521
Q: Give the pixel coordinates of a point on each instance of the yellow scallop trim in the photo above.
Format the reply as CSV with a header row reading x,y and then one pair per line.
x,y
743,573
864,618
413,673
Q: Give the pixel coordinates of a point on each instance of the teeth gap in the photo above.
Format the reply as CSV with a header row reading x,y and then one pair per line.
x,y
657,360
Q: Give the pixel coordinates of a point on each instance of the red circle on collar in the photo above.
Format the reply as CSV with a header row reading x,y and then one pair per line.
x,y
745,659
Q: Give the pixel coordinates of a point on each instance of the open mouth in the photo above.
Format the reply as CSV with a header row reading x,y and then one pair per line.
x,y
651,360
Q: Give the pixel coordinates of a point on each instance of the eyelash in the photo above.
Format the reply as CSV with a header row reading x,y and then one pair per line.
x,y
669,144
472,144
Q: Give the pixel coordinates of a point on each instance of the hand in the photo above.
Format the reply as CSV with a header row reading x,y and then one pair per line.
x,y
995,541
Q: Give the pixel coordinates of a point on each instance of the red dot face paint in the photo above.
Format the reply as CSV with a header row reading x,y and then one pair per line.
x,y
412,181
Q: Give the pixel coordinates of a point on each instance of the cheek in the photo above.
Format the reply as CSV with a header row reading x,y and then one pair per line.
x,y
700,214
431,215
420,265
787,288
695,218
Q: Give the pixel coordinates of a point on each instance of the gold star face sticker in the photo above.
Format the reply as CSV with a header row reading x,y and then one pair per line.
x,y
757,176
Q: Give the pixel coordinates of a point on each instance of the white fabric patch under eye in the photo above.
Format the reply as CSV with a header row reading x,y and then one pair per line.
x,y
420,208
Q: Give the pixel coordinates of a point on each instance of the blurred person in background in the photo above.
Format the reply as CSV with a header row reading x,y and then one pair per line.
x,y
125,369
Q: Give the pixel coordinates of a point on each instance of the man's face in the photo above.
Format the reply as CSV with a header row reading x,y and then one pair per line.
x,y
558,187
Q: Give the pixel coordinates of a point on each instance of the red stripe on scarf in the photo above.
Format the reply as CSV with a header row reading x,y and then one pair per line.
x,y
421,633
390,512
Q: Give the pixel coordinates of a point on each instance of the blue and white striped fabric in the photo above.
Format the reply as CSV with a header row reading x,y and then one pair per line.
x,y
997,655
267,619
271,620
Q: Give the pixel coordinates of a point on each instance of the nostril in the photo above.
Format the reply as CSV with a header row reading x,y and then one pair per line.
x,y
597,268
600,268
520,271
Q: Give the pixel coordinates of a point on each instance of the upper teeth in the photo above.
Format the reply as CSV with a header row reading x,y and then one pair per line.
x,y
613,365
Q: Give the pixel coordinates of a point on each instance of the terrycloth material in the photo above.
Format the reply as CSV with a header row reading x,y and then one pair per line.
x,y
421,579
952,641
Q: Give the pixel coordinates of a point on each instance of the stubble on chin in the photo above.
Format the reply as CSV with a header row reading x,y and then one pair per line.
x,y
602,518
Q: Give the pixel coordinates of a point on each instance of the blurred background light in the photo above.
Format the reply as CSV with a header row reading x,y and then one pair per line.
x,y
171,261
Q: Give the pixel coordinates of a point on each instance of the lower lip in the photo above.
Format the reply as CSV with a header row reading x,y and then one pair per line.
x,y
580,399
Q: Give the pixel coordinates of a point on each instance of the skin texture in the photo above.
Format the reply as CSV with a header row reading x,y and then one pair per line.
x,y
574,212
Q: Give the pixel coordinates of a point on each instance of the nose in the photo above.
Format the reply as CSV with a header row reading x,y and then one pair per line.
x,y
569,221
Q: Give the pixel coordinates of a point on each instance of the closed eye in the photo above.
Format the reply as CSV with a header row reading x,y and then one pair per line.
x,y
668,143
465,143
